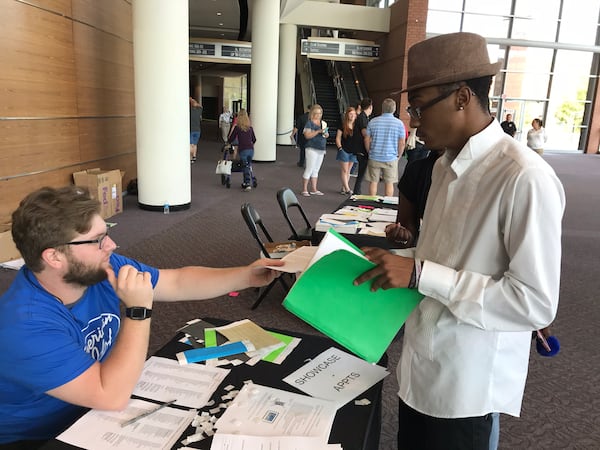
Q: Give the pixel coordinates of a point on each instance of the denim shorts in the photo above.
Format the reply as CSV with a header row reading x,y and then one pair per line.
x,y
344,156
194,137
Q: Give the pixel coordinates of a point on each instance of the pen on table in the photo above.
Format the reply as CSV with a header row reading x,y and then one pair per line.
x,y
543,341
147,413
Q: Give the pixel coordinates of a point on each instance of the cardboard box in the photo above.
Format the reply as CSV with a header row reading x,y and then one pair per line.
x,y
8,250
104,186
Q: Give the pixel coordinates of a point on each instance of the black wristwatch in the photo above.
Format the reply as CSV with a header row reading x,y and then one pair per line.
x,y
138,313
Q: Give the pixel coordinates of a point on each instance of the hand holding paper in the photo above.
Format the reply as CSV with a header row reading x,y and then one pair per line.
x,y
392,271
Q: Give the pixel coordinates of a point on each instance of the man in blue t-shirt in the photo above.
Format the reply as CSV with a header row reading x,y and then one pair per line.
x,y
385,144
63,342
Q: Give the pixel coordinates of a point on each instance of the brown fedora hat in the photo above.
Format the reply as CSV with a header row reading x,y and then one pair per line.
x,y
448,58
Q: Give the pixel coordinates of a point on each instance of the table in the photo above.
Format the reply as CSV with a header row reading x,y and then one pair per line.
x,y
360,240
355,427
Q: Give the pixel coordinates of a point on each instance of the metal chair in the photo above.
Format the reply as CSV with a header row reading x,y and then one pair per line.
x,y
287,199
255,223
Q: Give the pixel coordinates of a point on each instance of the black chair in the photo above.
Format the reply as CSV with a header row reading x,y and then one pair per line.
x,y
255,223
287,199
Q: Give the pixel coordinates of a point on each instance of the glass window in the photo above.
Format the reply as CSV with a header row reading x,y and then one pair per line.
x,y
443,22
526,85
579,24
536,20
495,7
568,97
489,26
521,59
446,5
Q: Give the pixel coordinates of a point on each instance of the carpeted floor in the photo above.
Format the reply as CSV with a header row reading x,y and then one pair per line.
x,y
561,409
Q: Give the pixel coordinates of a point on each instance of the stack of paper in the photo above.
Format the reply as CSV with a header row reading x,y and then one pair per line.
x,y
281,419
364,322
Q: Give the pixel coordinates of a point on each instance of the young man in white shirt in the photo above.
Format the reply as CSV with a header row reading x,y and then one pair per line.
x,y
487,260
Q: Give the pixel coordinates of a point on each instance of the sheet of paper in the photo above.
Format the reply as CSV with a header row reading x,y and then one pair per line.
x,y
236,442
248,330
101,430
192,385
15,264
279,355
296,261
374,228
263,411
337,376
376,217
332,242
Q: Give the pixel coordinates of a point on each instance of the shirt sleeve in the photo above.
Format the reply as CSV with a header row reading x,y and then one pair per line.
x,y
525,296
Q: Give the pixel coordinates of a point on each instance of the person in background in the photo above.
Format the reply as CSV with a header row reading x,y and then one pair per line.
x,y
536,137
509,126
61,323
298,136
349,143
415,148
225,124
195,127
362,121
316,134
243,134
386,139
492,208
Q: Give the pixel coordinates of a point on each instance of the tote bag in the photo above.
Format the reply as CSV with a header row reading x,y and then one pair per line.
x,y
223,167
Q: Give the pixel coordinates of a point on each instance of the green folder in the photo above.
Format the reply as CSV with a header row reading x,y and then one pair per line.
x,y
364,322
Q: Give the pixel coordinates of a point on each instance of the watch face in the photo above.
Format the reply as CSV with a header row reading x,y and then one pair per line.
x,y
138,313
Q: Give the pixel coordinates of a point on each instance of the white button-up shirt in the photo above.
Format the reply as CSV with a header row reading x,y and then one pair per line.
x,y
491,246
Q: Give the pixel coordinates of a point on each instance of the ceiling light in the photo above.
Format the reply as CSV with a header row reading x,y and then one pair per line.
x,y
220,24
218,14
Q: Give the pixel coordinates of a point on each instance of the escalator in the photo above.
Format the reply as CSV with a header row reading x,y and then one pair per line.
x,y
347,72
326,95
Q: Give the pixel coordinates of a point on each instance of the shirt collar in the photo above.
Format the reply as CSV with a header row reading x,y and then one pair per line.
x,y
478,145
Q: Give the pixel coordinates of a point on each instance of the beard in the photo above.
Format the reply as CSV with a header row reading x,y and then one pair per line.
x,y
83,275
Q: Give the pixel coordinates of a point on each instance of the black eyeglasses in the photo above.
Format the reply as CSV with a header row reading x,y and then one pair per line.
x,y
415,111
100,241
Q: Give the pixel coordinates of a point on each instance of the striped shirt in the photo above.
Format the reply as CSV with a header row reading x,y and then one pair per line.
x,y
385,132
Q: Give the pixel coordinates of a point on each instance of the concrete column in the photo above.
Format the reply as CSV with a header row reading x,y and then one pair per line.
x,y
287,82
263,73
160,55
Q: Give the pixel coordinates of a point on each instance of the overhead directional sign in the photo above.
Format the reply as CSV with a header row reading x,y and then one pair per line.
x,y
339,49
236,52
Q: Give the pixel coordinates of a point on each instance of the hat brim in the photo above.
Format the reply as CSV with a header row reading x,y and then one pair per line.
x,y
478,72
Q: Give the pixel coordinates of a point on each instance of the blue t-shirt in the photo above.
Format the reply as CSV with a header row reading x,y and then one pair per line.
x,y
44,344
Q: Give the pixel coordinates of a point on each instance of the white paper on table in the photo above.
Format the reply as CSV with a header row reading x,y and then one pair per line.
x,y
376,217
15,264
374,228
101,430
263,411
337,376
296,261
192,384
237,442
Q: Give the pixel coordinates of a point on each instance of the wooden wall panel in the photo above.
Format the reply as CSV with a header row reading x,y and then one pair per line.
x,y
15,189
112,16
37,75
105,137
104,68
28,146
76,78
62,7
